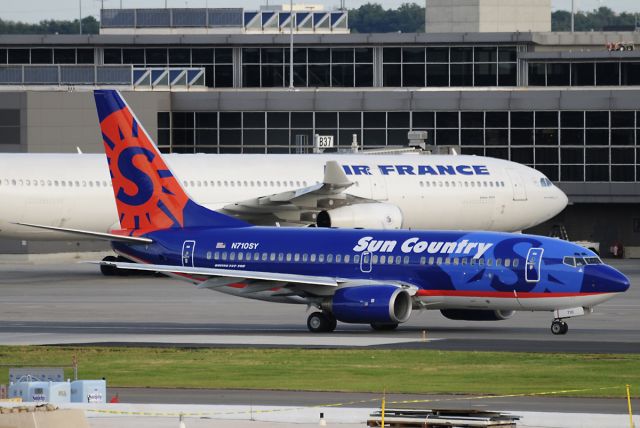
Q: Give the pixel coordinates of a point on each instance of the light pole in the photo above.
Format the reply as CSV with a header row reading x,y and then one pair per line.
x,y
80,20
291,44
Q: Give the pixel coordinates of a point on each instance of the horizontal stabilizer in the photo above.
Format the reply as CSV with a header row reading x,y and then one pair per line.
x,y
96,235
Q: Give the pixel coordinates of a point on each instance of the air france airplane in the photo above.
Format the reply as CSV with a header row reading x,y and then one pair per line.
x,y
375,277
379,192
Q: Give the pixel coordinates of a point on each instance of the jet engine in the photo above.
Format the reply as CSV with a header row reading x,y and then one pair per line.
x,y
371,304
368,216
476,314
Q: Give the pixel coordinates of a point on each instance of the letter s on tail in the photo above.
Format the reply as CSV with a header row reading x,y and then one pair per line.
x,y
148,196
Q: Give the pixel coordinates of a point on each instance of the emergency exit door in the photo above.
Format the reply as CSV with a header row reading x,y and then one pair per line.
x,y
188,248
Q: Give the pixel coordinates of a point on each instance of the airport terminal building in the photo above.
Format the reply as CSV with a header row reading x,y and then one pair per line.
x,y
217,81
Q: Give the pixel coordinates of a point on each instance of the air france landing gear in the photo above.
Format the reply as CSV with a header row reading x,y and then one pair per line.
x,y
321,322
559,327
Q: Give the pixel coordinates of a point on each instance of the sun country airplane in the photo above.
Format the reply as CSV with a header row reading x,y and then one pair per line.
x,y
367,276
379,192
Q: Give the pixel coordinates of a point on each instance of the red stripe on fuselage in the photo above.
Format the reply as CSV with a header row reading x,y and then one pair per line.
x,y
497,294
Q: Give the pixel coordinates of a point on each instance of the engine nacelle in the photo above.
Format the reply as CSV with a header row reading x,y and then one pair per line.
x,y
368,216
476,314
384,304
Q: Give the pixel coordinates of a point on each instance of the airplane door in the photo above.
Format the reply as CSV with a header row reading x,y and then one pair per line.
x,y
365,262
517,185
188,248
534,261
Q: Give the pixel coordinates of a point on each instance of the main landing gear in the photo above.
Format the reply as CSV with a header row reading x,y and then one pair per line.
x,y
321,322
559,327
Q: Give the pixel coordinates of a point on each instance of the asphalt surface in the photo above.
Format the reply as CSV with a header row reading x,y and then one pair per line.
x,y
73,303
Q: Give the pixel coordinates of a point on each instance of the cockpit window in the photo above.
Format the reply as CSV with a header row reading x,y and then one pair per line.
x,y
593,260
569,261
581,261
545,182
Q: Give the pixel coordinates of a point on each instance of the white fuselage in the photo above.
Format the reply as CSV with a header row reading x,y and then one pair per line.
x,y
74,190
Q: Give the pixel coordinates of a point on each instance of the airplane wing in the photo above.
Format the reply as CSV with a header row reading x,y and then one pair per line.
x,y
298,207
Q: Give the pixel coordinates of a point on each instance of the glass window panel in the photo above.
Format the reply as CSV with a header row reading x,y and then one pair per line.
x,y
571,156
253,120
364,55
622,156
522,137
582,74
182,119
253,137
206,137
437,75
164,138
398,119
496,137
437,54
522,155
558,74
622,137
391,74
472,119
572,137
250,55
485,74
163,119
327,120
497,152
272,55
497,119
272,76
447,119
350,120
423,119
507,53
472,137
622,173
597,119
597,155
64,56
391,55
319,55
342,55
342,75
364,75
572,172
230,149
546,137
486,54
397,137
374,119
223,56
277,137
319,75
597,173
546,155
622,119
522,119
223,75
230,137
477,151
461,54
41,56
299,56
374,137
85,56
597,137
250,76
536,74
572,119
277,120
345,136
133,56
179,56
230,120
182,137
202,56
546,119
301,119
183,149
507,74
413,75
551,171
413,55
156,56
295,133
630,73
461,74
21,56
111,56
206,120
607,73
447,137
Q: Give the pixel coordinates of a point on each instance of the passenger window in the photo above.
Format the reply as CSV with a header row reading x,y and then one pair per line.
x,y
347,257
305,257
312,259
390,260
280,257
296,257
329,258
472,262
256,256
383,259
288,257
405,260
232,256
456,261
356,258
489,262
398,260
447,261
320,258
208,255
216,255
463,261
423,260
480,262
247,256
498,262
264,257
240,256
374,259
507,262
431,260
439,261
272,257
515,263
338,258
224,255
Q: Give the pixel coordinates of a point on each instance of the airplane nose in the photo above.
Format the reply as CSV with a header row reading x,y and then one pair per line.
x,y
605,279
562,199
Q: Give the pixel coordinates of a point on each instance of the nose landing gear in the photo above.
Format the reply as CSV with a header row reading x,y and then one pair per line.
x,y
559,327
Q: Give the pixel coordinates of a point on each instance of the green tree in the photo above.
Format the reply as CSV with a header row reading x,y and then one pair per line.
x,y
595,20
90,25
373,18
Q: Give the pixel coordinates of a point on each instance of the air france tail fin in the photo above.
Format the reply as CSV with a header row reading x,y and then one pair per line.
x,y
148,195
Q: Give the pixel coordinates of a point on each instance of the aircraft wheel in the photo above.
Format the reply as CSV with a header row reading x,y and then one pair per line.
x,y
559,327
319,322
383,326
109,270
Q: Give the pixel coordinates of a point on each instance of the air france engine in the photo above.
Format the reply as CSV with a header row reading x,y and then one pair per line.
x,y
368,216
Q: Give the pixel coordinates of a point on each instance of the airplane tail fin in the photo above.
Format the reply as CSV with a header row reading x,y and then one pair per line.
x,y
148,195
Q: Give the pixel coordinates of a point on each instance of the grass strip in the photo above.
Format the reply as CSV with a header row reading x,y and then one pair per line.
x,y
399,371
